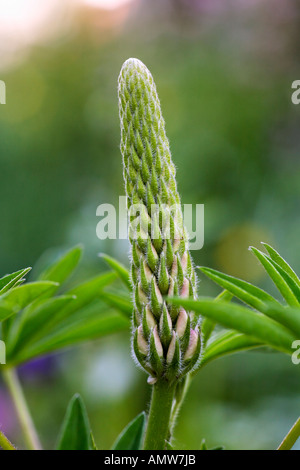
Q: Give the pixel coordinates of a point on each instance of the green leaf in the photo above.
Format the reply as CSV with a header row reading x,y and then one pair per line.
x,y
78,320
291,437
84,294
131,438
258,299
5,444
242,319
88,291
290,282
9,281
75,433
122,272
18,298
91,322
169,446
203,445
227,342
34,319
121,303
251,295
282,263
63,267
207,326
287,316
276,277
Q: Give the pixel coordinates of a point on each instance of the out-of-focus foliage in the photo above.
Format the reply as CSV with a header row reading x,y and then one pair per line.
x,y
35,321
224,74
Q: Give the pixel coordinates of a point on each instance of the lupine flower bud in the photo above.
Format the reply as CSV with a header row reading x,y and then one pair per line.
x,y
166,339
193,343
141,342
182,322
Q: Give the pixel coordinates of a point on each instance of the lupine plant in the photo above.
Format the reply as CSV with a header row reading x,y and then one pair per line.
x,y
173,330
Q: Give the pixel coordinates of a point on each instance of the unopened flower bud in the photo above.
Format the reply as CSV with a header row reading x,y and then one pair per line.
x,y
158,344
165,327
184,261
140,296
171,349
185,291
146,276
181,324
156,299
148,321
152,256
193,344
142,343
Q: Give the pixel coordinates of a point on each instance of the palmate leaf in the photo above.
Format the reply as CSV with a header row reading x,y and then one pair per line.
x,y
249,294
34,319
9,281
131,438
75,432
257,299
18,298
87,292
228,342
6,283
91,322
242,319
56,312
248,336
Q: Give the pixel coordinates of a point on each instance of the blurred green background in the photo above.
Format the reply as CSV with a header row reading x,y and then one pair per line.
x,y
224,72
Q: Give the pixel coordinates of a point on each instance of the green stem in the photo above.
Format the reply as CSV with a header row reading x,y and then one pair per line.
x,y
14,386
180,395
291,437
159,415
5,444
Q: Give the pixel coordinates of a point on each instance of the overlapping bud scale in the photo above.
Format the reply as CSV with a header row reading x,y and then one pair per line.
x,y
166,339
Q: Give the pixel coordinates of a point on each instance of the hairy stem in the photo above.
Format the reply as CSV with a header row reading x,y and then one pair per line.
x,y
159,415
15,389
291,437
5,444
180,395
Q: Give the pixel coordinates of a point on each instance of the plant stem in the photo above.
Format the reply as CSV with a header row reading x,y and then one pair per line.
x,y
179,397
5,444
291,437
14,386
159,415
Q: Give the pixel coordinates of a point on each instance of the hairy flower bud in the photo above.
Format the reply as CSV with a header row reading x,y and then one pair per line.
x,y
166,339
192,347
141,342
182,322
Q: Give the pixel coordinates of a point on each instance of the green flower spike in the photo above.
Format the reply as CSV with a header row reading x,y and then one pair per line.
x,y
166,339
